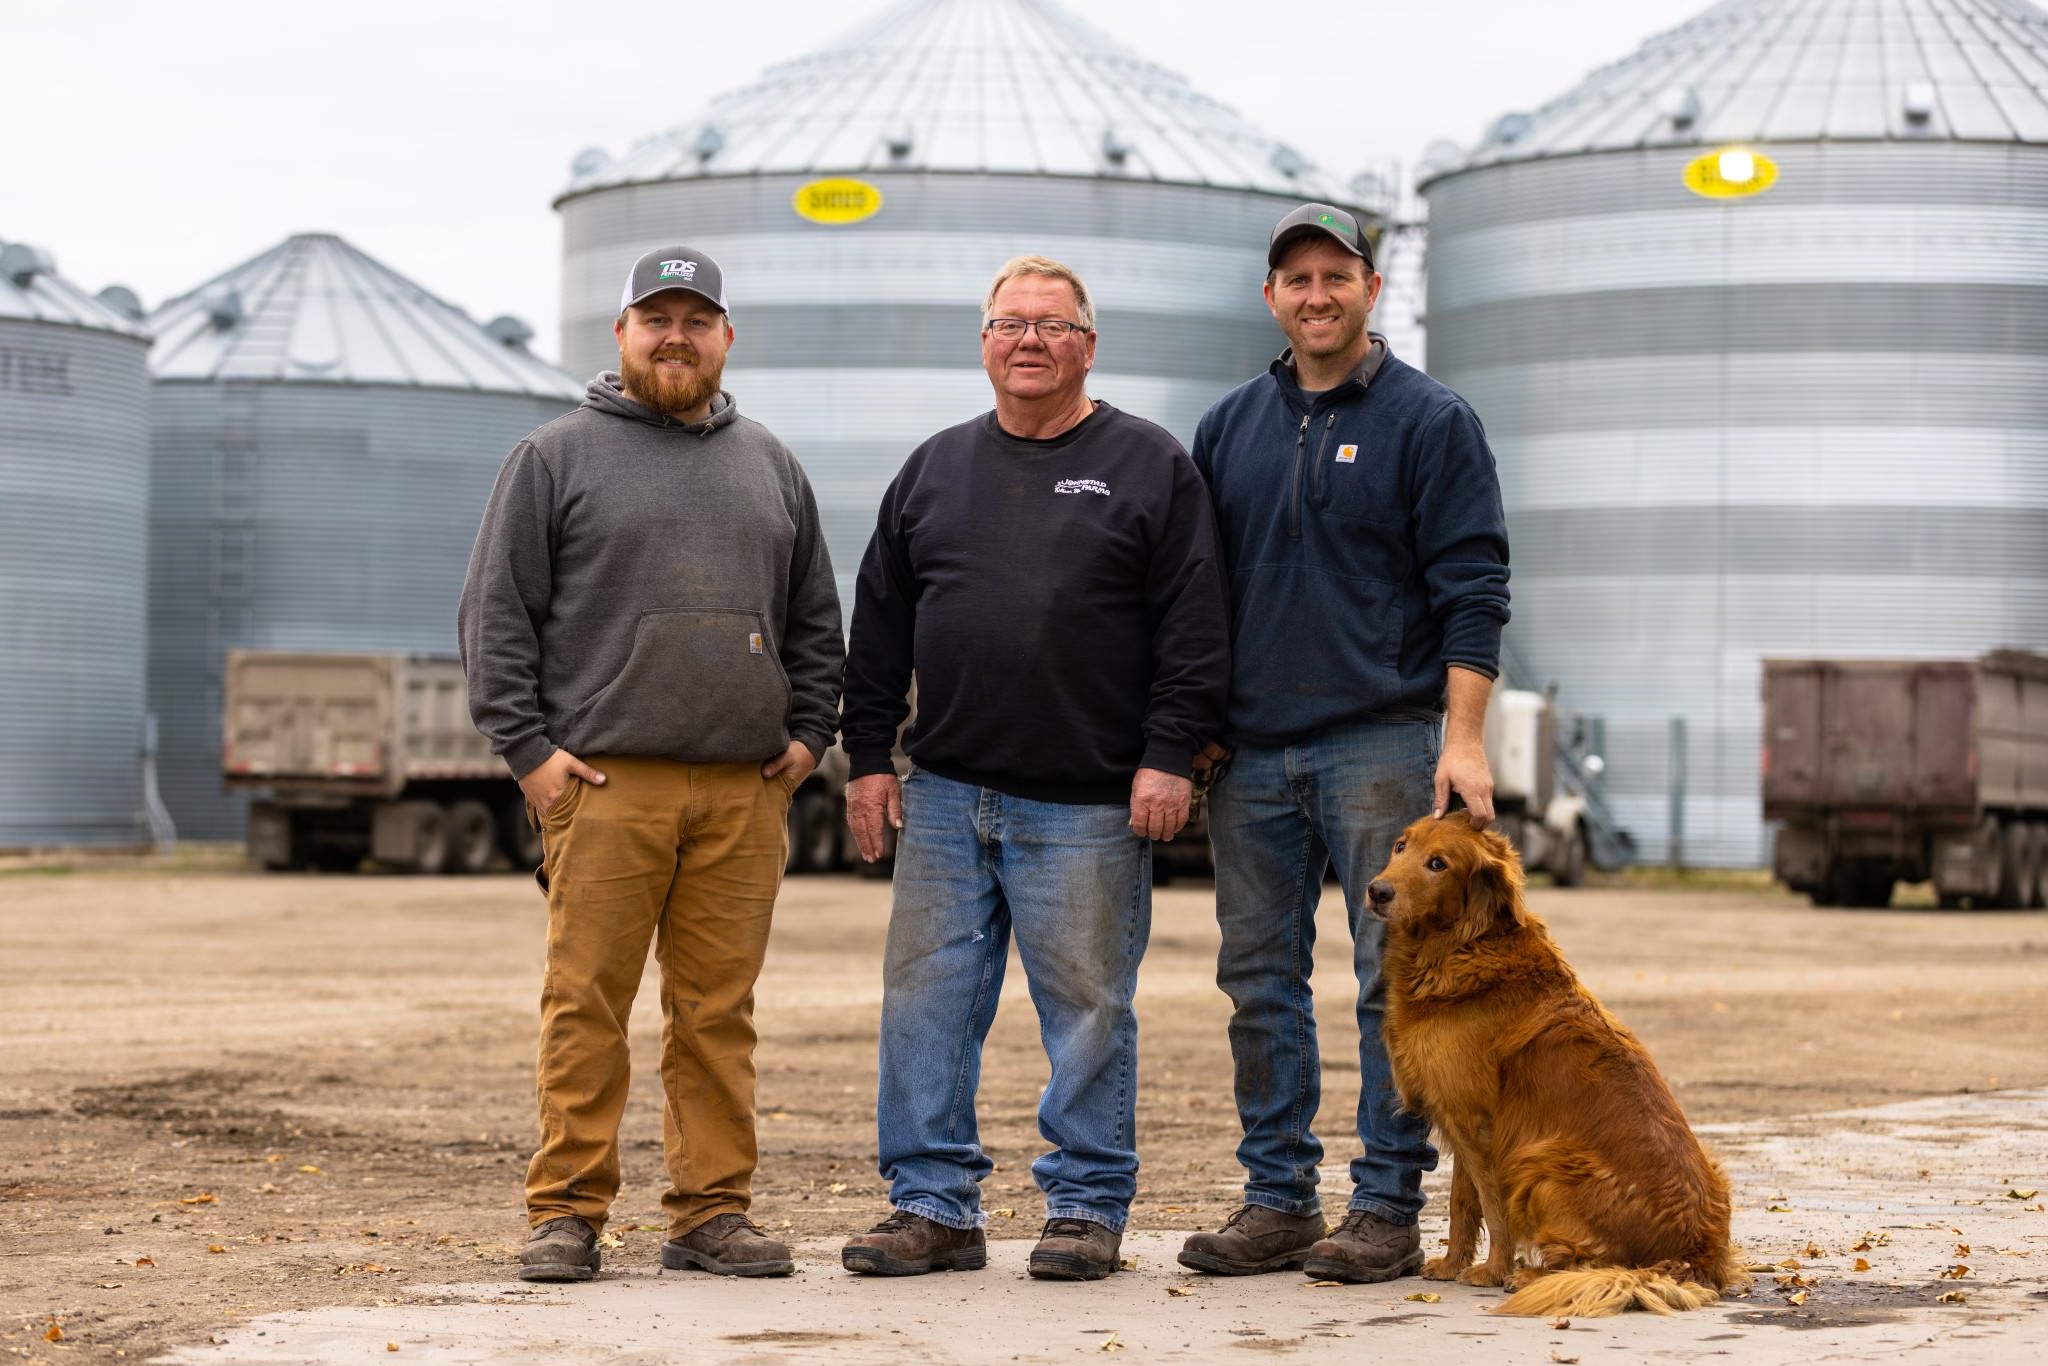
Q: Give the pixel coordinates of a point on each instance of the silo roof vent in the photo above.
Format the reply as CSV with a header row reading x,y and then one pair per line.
x,y
1681,105
509,331
590,161
1919,101
1289,162
932,74
314,310
21,263
1509,128
1116,149
123,301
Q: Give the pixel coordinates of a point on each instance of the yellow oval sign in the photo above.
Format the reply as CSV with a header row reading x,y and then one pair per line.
x,y
837,201
1730,173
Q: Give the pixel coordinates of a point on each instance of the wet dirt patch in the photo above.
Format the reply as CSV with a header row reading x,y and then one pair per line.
x,y
201,1104
790,1337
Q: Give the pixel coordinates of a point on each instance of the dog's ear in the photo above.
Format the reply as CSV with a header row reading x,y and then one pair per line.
x,y
1493,891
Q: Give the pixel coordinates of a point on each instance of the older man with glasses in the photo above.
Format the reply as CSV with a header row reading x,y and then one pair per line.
x,y
1049,570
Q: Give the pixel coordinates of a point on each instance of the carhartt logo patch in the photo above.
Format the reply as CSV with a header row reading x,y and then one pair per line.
x,y
754,643
678,270
1347,455
1081,486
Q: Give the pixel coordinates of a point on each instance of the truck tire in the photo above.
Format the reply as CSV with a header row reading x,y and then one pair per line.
x,y
1571,864
2012,867
472,837
517,838
430,838
2036,883
813,832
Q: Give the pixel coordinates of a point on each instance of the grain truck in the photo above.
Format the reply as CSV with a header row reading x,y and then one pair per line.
x,y
354,755
1885,771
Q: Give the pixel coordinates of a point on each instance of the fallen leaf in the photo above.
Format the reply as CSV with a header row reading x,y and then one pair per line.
x,y
1778,1209
110,1285
1962,1250
1799,1298
1560,1324
1862,1264
145,1261
1343,1335
1420,1296
1004,1213
1110,1344
390,1346
267,1188
837,1188
55,1332
1127,1264
2021,1195
1956,1272
1562,1360
203,1198
1862,1244
1325,1285
1177,1291
650,1228
1790,1264
1952,1297
1814,1250
1760,1266
1174,1209
216,1247
610,1240
309,1169
275,1157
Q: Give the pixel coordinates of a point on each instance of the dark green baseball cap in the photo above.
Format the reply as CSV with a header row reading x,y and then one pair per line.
x,y
1310,219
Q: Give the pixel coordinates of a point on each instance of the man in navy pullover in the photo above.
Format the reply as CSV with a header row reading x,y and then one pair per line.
x,y
1361,524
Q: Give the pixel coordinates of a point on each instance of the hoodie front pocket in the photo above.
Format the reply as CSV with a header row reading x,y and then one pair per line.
x,y
702,684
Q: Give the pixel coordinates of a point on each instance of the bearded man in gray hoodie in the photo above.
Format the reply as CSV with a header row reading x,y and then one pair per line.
x,y
651,633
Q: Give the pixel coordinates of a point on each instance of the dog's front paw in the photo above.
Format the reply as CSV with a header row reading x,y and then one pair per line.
x,y
1443,1268
1480,1275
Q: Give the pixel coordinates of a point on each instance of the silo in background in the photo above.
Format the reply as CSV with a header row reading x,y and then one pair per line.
x,y
74,484
325,433
861,198
1757,320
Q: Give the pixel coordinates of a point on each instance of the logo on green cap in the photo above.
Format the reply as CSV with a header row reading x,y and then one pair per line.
x,y
1330,220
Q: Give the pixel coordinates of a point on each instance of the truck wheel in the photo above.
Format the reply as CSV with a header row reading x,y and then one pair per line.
x,y
517,838
472,837
1571,866
2012,867
430,838
2036,885
1828,890
813,832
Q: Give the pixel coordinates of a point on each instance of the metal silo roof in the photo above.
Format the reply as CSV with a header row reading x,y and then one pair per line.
x,y
314,309
31,289
1799,71
990,86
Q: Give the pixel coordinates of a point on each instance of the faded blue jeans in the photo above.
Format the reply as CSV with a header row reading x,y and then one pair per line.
x,y
1075,885
1279,818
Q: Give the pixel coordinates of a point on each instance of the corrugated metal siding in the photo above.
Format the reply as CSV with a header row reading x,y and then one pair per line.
x,y
1813,423
304,517
855,343
74,479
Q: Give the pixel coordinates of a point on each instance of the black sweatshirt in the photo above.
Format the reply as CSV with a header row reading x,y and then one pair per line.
x,y
1062,603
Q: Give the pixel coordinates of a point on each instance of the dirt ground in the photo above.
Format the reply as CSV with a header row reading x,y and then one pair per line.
x,y
224,1094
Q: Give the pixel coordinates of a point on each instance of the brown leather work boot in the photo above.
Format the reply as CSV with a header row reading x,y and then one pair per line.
x,y
1075,1250
563,1249
1254,1240
1366,1248
728,1245
909,1245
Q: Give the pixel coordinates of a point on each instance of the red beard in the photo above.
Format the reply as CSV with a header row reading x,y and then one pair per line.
x,y
670,391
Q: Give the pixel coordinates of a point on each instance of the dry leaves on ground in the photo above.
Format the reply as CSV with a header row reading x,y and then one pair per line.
x,y
1424,1297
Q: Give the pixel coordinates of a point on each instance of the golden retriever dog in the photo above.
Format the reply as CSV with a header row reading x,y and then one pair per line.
x,y
1565,1140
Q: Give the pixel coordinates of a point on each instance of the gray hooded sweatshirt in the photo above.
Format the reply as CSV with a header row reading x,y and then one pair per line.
x,y
645,586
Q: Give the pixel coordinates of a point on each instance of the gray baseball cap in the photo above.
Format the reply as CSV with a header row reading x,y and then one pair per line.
x,y
1311,219
674,268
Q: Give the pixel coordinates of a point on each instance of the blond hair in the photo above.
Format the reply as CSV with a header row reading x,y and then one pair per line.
x,y
1048,268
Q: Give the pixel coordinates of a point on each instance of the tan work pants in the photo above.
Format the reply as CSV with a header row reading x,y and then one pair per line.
x,y
689,857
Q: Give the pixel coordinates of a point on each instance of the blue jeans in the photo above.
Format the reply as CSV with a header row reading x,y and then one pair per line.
x,y
1076,886
1279,818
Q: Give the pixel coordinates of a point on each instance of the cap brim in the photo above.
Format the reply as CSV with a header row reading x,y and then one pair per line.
x,y
1302,231
647,294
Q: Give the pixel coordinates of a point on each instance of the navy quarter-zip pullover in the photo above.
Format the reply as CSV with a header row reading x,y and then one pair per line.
x,y
1367,550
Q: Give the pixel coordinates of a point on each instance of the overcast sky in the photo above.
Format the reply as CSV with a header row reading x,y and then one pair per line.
x,y
155,145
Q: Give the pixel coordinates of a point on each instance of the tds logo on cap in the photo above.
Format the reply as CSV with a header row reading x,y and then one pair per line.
x,y
1347,455
1330,220
678,270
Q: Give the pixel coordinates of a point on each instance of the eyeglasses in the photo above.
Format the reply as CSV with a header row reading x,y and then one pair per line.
x,y
1049,329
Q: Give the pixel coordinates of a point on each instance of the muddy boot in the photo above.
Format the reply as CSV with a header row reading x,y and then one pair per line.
x,y
1075,1250
1366,1248
1254,1240
910,1245
563,1249
728,1245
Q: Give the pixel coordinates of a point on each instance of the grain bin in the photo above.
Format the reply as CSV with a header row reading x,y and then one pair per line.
x,y
1757,320
74,483
324,433
860,198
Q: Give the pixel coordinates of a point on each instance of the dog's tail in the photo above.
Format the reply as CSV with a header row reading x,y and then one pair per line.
x,y
1596,1292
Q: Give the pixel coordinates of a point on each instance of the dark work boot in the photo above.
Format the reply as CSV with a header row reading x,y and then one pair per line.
x,y
909,1245
1366,1248
563,1249
1075,1250
728,1245
1254,1240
